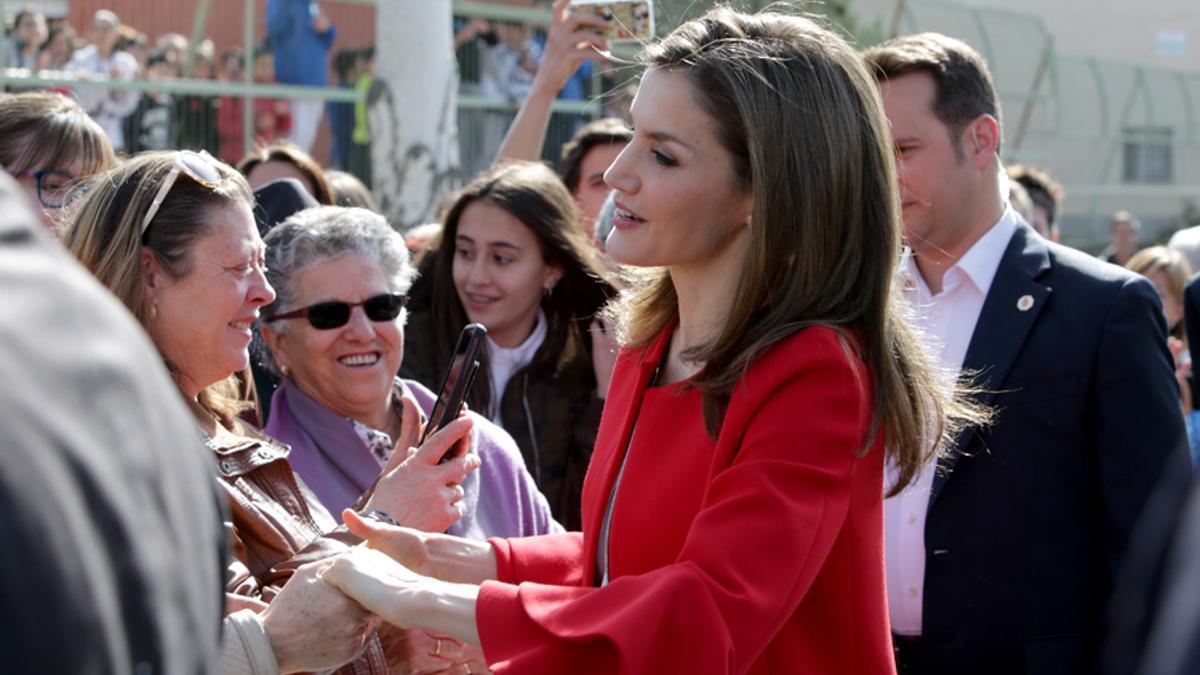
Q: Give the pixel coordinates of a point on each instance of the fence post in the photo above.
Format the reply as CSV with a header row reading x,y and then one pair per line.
x,y
248,76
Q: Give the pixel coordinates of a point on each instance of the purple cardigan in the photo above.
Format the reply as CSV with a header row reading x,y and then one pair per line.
x,y
502,498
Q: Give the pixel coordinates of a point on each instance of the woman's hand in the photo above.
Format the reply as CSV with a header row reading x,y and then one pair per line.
x,y
569,43
378,583
433,555
604,355
420,492
428,653
402,597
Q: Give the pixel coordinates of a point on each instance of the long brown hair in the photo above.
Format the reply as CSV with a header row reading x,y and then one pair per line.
x,y
534,195
105,234
795,107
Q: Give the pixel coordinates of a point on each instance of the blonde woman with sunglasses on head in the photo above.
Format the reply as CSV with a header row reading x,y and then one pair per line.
x,y
172,236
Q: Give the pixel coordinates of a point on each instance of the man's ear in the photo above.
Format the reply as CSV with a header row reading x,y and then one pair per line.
x,y
982,142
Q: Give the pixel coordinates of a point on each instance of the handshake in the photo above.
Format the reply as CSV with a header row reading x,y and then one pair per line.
x,y
328,612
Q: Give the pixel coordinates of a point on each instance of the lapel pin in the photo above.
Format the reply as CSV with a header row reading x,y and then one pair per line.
x,y
1025,303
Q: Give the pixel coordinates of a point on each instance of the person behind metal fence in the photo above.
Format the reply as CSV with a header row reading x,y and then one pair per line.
x,y
1001,557
513,257
733,509
172,236
301,35
103,59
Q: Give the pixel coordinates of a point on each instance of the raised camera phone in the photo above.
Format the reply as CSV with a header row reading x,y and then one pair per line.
x,y
628,20
456,383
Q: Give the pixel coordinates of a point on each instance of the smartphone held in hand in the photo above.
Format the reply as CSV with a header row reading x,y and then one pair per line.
x,y
456,382
628,20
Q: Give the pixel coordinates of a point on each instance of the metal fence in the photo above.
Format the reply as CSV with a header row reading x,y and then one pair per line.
x,y
481,119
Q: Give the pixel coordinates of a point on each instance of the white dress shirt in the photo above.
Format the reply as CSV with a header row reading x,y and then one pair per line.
x,y
946,321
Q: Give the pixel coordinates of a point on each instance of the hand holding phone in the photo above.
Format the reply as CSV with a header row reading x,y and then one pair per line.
x,y
627,20
457,380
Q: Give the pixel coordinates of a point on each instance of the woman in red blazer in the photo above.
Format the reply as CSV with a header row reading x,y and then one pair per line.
x,y
732,511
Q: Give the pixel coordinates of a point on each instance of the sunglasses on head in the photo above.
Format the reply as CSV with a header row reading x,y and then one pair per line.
x,y
335,313
199,166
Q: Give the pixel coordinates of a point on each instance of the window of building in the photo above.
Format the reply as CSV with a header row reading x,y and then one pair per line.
x,y
1147,152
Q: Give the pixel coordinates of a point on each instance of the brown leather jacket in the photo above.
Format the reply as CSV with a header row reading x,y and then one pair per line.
x,y
277,525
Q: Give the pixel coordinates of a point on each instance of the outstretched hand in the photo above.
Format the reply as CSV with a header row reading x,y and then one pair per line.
x,y
378,583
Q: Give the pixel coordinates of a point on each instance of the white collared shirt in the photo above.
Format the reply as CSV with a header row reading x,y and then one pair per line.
x,y
947,321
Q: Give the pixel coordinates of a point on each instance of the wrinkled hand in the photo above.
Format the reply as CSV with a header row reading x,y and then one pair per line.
x,y
569,43
381,585
313,626
604,354
414,488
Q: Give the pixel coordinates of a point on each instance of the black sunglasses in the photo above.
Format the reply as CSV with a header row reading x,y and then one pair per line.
x,y
335,313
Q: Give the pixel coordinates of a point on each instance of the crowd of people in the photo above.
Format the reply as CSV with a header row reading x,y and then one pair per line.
x,y
788,375
295,51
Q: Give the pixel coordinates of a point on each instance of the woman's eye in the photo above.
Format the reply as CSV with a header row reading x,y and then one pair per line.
x,y
463,253
664,159
502,259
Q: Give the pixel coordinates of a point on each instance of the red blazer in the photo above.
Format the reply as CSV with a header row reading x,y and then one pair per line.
x,y
761,552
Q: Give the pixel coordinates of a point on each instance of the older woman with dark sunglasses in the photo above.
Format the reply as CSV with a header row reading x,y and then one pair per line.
x,y
172,235
336,335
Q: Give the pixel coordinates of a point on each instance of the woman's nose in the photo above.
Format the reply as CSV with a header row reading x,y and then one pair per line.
x,y
620,176
261,292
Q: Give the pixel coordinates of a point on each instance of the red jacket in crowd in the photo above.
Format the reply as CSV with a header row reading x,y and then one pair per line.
x,y
272,121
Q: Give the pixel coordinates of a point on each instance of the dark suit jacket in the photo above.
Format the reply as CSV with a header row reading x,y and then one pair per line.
x,y
1029,518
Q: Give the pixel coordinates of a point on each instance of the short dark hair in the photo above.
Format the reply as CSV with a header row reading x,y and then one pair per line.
x,y
1045,192
963,84
604,131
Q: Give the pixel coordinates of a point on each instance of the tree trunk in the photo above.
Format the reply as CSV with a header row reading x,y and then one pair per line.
x,y
413,110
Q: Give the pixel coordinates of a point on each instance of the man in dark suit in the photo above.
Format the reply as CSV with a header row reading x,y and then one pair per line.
x,y
1001,560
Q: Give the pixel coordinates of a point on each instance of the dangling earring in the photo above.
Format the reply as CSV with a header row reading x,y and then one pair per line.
x,y
547,292
153,312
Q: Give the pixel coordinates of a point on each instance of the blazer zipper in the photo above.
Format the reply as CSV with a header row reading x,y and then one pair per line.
x,y
606,528
537,454
612,506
